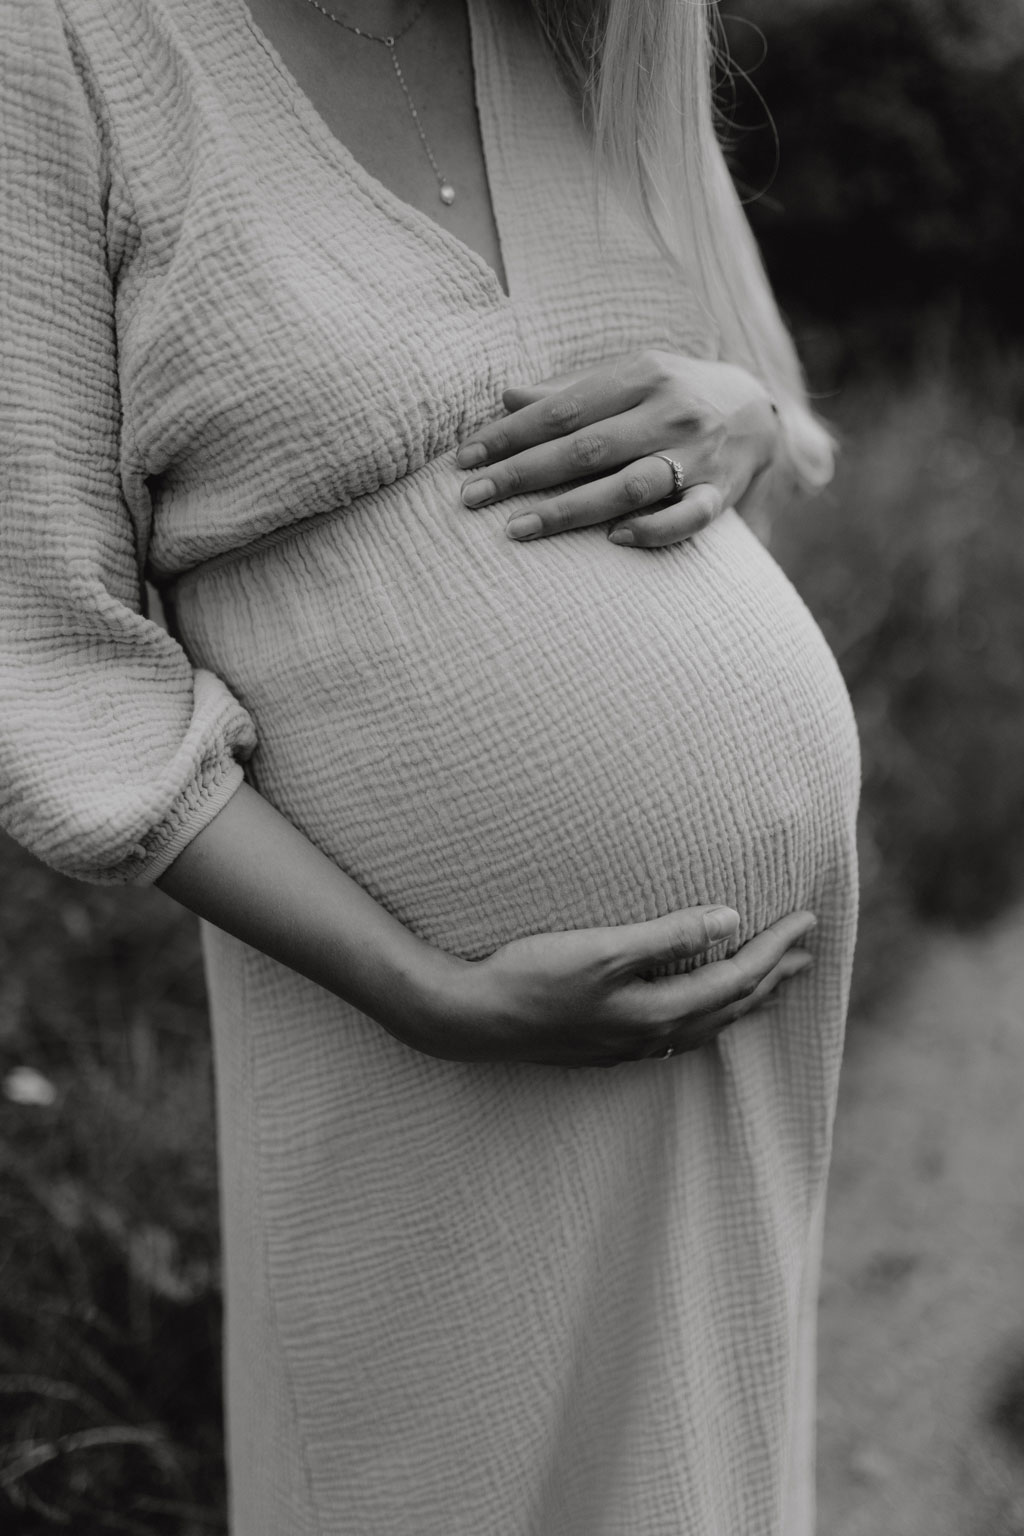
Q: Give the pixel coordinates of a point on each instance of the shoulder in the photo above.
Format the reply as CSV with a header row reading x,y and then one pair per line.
x,y
43,103
48,25
100,83
43,38
56,60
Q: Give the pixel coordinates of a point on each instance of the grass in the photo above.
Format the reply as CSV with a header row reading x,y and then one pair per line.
x,y
109,1290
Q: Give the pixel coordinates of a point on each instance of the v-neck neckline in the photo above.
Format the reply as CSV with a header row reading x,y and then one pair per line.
x,y
431,230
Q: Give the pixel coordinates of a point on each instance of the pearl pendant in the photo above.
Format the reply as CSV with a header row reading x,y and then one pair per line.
x,y
447,193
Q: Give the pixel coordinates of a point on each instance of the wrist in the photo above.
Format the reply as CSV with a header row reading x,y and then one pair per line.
x,y
767,432
762,430
460,1013
426,998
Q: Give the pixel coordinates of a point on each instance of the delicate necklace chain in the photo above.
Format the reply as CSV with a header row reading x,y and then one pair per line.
x,y
445,189
373,37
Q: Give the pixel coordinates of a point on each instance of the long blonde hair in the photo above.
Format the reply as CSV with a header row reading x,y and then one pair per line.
x,y
642,71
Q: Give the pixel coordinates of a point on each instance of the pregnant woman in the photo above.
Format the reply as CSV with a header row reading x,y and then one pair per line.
x,y
404,349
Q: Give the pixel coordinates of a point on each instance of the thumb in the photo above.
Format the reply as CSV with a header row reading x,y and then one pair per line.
x,y
679,935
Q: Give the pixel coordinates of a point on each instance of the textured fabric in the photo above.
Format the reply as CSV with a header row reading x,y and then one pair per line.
x,y
460,1299
112,754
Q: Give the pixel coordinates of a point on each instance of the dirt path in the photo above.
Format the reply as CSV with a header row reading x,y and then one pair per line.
x,y
922,1324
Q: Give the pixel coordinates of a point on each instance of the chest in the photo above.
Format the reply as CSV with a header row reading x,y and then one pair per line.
x,y
282,292
406,112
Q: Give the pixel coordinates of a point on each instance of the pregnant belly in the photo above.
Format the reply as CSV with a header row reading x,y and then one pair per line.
x,y
496,739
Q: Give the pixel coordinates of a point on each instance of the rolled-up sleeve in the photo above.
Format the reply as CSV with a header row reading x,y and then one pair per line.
x,y
114,751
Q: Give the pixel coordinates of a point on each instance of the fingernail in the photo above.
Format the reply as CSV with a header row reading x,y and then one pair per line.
x,y
622,536
477,492
720,922
471,456
526,527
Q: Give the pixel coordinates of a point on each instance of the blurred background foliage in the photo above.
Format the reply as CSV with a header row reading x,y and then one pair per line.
x,y
888,181
110,1408
879,145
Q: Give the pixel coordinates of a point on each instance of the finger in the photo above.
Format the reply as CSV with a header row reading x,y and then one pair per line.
x,y
704,1027
698,506
692,1033
697,1031
720,983
681,935
518,395
614,439
640,485
764,996
586,398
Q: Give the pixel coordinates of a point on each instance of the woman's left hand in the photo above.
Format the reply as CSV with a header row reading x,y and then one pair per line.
x,y
604,429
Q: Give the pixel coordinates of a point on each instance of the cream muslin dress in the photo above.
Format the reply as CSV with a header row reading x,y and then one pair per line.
x,y
462,1300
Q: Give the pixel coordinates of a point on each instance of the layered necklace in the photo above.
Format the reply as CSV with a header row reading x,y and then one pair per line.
x,y
446,191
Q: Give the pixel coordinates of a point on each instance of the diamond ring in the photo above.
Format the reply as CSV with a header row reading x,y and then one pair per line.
x,y
678,475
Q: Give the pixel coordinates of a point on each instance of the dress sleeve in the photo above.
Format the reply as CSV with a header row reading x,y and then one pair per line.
x,y
114,752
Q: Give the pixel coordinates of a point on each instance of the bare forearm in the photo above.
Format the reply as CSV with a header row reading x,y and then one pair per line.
x,y
575,998
256,876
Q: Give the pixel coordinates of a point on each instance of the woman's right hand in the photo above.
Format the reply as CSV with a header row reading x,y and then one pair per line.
x,y
584,998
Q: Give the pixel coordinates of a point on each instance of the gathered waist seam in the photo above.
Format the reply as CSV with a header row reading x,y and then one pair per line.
x,y
167,584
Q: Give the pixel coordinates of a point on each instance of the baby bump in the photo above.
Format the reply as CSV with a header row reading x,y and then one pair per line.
x,y
495,739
